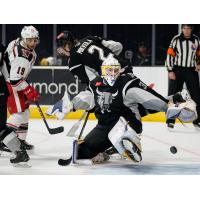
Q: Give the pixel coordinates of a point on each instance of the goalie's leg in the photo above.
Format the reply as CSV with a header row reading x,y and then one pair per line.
x,y
131,150
126,141
94,145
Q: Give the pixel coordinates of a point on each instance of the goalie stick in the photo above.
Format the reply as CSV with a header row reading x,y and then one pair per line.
x,y
64,162
74,128
52,131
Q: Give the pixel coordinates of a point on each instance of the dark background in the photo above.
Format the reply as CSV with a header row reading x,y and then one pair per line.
x,y
130,35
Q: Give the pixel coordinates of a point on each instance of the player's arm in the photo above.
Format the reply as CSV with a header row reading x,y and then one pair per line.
x,y
137,92
169,63
18,73
77,68
179,106
115,47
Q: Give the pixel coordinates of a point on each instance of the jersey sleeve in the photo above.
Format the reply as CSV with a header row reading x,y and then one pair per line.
x,y
137,92
18,72
115,47
77,68
169,63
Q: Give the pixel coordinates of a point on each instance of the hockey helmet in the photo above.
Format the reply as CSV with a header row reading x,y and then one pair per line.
x,y
64,37
29,32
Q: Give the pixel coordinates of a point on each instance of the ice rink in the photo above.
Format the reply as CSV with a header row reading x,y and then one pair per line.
x,y
156,143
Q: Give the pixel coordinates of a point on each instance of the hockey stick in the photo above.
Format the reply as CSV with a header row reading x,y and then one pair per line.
x,y
75,127
52,131
64,162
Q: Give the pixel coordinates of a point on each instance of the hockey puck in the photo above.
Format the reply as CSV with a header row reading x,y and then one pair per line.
x,y
173,149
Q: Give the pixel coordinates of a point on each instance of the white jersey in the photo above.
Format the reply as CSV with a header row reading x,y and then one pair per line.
x,y
21,62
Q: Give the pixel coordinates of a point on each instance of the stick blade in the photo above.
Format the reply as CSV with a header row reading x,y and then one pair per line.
x,y
57,130
63,162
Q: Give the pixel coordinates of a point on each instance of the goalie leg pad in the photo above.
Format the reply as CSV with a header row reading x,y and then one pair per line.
x,y
126,141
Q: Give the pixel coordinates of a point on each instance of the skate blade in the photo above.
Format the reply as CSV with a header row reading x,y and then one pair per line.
x,y
22,165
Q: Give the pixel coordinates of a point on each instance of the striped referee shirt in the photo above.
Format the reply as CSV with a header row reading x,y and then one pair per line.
x,y
183,52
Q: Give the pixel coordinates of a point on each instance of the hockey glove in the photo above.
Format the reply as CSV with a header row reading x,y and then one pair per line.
x,y
31,93
61,108
186,112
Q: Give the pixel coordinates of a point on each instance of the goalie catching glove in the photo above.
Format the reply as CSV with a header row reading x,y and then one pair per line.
x,y
185,112
182,107
61,108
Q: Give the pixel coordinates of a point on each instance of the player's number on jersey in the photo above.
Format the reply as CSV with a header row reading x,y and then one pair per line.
x,y
21,70
100,51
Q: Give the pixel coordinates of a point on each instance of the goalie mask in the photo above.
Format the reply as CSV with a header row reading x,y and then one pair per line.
x,y
110,70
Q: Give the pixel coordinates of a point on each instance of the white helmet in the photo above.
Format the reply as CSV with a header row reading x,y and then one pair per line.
x,y
110,70
29,32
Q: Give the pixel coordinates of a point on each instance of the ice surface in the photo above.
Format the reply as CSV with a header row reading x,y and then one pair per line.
x,y
156,143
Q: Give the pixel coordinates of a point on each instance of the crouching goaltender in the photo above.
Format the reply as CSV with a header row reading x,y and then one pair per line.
x,y
115,98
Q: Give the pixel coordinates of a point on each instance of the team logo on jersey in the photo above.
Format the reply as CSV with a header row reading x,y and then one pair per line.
x,y
193,47
105,99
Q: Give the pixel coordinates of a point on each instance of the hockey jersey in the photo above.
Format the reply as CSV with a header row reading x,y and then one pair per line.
x,y
128,95
21,62
88,54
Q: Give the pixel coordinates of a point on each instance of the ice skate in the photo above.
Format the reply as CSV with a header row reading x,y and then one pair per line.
x,y
20,159
4,151
100,158
26,145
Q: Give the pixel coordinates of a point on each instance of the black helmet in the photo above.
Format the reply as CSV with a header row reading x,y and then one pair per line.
x,y
65,37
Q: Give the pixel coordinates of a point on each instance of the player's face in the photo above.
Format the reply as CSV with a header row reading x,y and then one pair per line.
x,y
187,31
31,43
112,72
65,50
68,47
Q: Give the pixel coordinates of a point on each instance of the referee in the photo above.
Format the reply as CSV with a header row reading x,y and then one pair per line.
x,y
183,65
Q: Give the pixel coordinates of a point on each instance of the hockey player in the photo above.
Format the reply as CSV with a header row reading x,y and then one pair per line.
x,y
86,55
116,98
85,58
8,138
22,56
